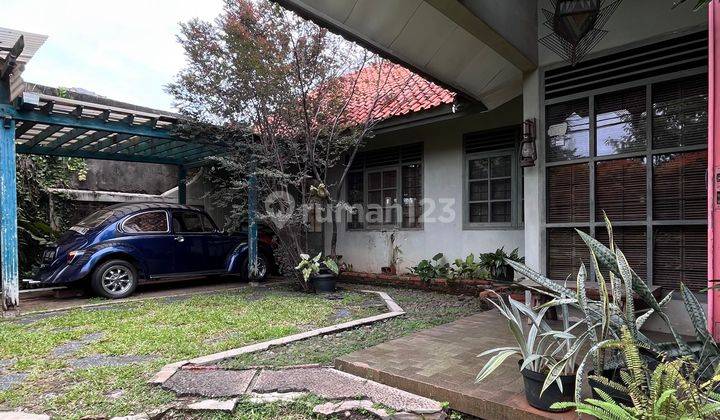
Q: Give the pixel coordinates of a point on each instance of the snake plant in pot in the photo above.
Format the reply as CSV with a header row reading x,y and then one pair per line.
x,y
322,273
614,310
548,355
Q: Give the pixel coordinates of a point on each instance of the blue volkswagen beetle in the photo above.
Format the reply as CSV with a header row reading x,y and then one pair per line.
x,y
116,248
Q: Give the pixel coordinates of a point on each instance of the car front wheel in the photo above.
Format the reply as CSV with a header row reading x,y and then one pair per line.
x,y
114,279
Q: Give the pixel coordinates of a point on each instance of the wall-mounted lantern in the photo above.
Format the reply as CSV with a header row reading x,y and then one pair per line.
x,y
528,152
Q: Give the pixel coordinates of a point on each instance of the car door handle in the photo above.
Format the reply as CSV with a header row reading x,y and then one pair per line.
x,y
180,239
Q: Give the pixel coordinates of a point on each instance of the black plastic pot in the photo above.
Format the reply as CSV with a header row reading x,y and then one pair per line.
x,y
324,282
533,385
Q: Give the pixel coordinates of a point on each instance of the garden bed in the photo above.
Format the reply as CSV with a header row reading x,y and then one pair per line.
x,y
97,361
458,286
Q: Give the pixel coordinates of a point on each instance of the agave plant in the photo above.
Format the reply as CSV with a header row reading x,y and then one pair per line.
x,y
671,391
541,347
606,317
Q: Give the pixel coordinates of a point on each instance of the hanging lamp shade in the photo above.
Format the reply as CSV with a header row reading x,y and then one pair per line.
x,y
576,26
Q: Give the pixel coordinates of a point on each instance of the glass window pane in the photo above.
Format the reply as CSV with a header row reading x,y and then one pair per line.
x,y
680,112
187,222
501,189
478,190
478,169
568,192
680,255
500,166
355,187
500,212
412,195
375,197
478,213
565,251
620,189
568,130
679,190
389,179
374,181
632,241
621,120
389,197
155,221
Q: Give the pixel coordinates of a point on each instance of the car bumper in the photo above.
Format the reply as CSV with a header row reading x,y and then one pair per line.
x,y
55,276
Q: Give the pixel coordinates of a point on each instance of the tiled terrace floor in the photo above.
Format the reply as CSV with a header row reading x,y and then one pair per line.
x,y
441,363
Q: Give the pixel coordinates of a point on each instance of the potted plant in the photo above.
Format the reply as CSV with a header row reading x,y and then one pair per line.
x,y
321,273
429,270
495,263
548,356
614,310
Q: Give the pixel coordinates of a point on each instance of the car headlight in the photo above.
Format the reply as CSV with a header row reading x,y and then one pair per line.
x,y
73,255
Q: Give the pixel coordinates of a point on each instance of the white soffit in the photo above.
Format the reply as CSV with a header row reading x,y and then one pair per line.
x,y
416,33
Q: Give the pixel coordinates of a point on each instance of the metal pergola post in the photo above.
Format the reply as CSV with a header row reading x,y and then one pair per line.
x,y
182,184
252,227
8,219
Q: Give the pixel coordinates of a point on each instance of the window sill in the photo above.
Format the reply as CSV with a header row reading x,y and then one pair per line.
x,y
492,226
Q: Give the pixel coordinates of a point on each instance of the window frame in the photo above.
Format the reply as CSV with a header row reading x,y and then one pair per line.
x,y
649,152
398,167
132,216
515,199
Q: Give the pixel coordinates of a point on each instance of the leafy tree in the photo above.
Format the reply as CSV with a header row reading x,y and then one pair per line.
x,y
295,104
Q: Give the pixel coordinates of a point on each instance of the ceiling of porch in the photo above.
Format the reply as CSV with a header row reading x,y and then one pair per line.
x,y
466,49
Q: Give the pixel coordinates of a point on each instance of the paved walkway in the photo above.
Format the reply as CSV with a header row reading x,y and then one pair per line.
x,y
441,363
325,382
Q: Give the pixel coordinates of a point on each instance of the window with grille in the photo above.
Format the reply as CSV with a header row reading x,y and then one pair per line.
x,y
385,188
638,154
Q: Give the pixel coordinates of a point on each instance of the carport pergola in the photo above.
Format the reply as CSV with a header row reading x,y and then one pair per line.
x,y
42,121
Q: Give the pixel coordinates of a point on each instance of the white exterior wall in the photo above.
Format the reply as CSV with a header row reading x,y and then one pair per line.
x,y
369,250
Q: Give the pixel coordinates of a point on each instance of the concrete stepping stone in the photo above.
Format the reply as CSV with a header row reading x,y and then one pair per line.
x,y
108,361
210,383
332,384
8,380
331,408
213,405
72,347
275,397
21,415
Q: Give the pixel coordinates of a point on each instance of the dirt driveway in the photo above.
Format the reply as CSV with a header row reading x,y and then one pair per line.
x,y
60,299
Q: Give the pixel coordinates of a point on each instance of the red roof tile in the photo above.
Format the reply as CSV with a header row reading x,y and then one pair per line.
x,y
401,92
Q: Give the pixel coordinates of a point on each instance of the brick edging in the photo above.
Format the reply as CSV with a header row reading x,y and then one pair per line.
x,y
459,286
169,370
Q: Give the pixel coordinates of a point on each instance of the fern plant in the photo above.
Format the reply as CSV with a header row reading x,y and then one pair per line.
x,y
672,390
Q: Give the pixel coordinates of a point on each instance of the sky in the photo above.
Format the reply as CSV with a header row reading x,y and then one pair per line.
x,y
124,50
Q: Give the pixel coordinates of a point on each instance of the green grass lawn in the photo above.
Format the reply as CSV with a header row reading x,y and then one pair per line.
x,y
423,310
161,331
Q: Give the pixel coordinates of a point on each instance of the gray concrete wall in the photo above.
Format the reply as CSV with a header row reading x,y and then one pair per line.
x,y
633,21
131,177
442,178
